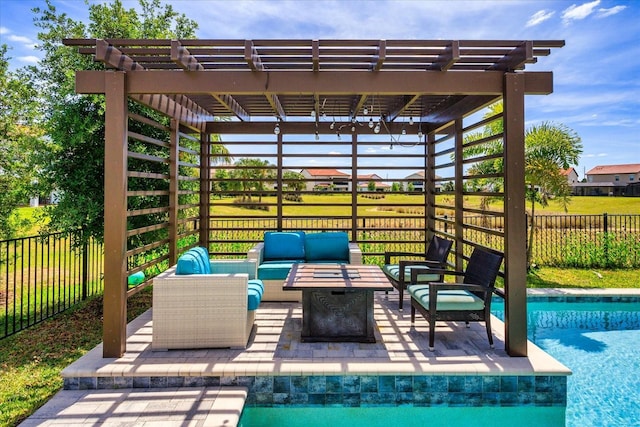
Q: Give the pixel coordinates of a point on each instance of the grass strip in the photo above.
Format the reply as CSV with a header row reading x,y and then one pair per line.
x,y
31,361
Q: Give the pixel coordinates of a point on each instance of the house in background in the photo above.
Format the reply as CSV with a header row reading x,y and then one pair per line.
x,y
364,180
611,180
326,180
571,174
417,180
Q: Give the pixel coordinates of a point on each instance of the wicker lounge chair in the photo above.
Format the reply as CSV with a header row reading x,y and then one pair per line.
x,y
435,257
210,310
469,301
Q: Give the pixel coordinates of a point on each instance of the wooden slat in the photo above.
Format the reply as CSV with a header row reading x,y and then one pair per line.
x,y
181,56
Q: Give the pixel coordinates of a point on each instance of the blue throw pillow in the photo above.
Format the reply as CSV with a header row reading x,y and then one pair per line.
x,y
203,254
284,245
327,246
189,263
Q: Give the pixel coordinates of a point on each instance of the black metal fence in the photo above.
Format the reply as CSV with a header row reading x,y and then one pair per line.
x,y
580,241
44,275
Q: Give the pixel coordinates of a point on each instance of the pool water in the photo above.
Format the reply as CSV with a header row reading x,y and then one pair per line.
x,y
404,416
598,341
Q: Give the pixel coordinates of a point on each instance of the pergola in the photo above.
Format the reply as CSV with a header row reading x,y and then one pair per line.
x,y
294,85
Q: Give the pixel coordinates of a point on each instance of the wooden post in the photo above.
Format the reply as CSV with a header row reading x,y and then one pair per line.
x,y
430,188
459,197
173,191
115,216
279,208
354,187
515,227
205,189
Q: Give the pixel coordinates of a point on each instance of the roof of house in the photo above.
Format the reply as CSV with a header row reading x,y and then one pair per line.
x,y
611,169
369,176
566,172
326,172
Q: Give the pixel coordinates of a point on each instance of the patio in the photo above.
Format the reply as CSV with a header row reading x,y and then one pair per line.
x,y
278,370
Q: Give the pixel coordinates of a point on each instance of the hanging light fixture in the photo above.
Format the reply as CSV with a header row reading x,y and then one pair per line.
x,y
371,123
332,125
317,136
410,120
276,129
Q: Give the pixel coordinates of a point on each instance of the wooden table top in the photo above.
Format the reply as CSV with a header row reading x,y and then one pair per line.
x,y
336,276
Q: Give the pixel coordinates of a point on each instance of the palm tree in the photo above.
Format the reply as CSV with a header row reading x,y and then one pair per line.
x,y
549,148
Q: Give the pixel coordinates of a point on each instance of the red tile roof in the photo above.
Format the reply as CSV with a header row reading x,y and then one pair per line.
x,y
326,172
566,172
613,169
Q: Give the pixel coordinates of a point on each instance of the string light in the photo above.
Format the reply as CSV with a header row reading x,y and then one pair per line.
x,y
276,129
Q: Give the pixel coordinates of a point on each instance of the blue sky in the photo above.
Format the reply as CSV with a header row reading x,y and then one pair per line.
x,y
596,75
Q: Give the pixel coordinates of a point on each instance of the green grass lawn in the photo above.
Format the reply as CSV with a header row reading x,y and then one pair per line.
x,y
31,361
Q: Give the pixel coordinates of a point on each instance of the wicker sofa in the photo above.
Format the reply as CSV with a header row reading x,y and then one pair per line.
x,y
202,303
280,250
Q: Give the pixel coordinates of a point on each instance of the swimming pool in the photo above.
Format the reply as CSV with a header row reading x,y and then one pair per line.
x,y
597,340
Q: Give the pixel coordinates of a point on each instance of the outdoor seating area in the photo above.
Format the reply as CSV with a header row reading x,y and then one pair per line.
x,y
280,250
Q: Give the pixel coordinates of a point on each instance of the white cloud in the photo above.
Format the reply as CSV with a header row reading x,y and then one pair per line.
x,y
4,30
539,17
603,13
30,59
20,39
574,12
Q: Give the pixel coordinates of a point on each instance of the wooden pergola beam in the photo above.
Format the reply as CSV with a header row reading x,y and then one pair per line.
x,y
252,57
445,61
297,82
276,105
228,102
181,56
408,101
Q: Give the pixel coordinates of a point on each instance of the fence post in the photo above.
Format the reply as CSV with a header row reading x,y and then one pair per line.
x,y
85,265
605,221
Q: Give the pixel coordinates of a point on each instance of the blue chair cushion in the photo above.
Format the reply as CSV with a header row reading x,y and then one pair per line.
x,y
203,253
190,262
255,290
393,270
448,300
284,245
276,270
327,246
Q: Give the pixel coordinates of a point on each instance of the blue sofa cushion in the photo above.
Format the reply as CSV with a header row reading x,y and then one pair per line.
x,y
284,245
276,270
255,290
327,246
447,299
191,262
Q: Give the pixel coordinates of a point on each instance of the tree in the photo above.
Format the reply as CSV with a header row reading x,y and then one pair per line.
x,y
371,186
549,148
252,174
21,136
75,164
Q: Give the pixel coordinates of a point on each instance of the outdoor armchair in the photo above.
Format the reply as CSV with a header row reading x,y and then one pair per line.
x,y
434,258
202,303
467,301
